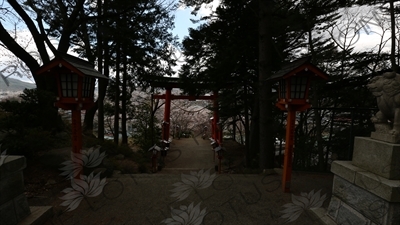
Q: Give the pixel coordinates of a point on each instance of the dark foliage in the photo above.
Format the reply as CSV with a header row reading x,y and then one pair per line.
x,y
29,125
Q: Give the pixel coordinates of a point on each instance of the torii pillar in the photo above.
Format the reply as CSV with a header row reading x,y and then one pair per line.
x,y
167,115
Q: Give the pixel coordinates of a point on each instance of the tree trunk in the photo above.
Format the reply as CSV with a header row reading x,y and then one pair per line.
x,y
18,51
117,93
101,88
90,114
246,122
123,102
318,132
317,115
254,140
267,151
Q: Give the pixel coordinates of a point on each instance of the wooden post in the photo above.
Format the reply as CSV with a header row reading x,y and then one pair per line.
x,y
219,166
76,131
287,162
154,162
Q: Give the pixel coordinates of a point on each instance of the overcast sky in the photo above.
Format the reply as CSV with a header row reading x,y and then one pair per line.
x,y
183,16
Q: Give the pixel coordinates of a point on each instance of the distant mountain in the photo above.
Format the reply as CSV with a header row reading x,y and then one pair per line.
x,y
15,85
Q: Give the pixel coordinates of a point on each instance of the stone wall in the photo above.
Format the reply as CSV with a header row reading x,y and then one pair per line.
x,y
13,203
366,190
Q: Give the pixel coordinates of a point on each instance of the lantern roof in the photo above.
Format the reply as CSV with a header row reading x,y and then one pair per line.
x,y
299,65
75,64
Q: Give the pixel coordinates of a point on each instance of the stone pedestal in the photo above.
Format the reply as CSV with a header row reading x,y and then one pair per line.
x,y
366,190
13,203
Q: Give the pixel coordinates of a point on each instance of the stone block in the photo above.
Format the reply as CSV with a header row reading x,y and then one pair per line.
x,y
366,203
21,206
378,157
386,189
347,215
322,215
11,187
7,214
13,203
334,205
394,215
385,137
345,170
11,164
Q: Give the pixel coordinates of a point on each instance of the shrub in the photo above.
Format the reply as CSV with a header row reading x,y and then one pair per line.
x,y
33,140
109,146
29,125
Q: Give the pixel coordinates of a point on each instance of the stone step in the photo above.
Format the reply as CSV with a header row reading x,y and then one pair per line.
x,y
321,213
380,186
39,215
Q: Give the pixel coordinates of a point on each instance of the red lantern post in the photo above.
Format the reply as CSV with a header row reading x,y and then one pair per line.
x,y
76,131
75,82
294,84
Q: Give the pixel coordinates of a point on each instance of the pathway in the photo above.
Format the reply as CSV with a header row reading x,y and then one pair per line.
x,y
188,191
188,154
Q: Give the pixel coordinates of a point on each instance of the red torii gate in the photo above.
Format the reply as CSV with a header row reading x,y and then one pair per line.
x,y
169,84
168,96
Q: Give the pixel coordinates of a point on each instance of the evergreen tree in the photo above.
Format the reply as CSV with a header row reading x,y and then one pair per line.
x,y
234,45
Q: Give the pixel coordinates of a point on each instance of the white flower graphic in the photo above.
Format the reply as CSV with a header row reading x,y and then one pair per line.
x,y
302,203
87,186
3,157
195,180
88,158
186,215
